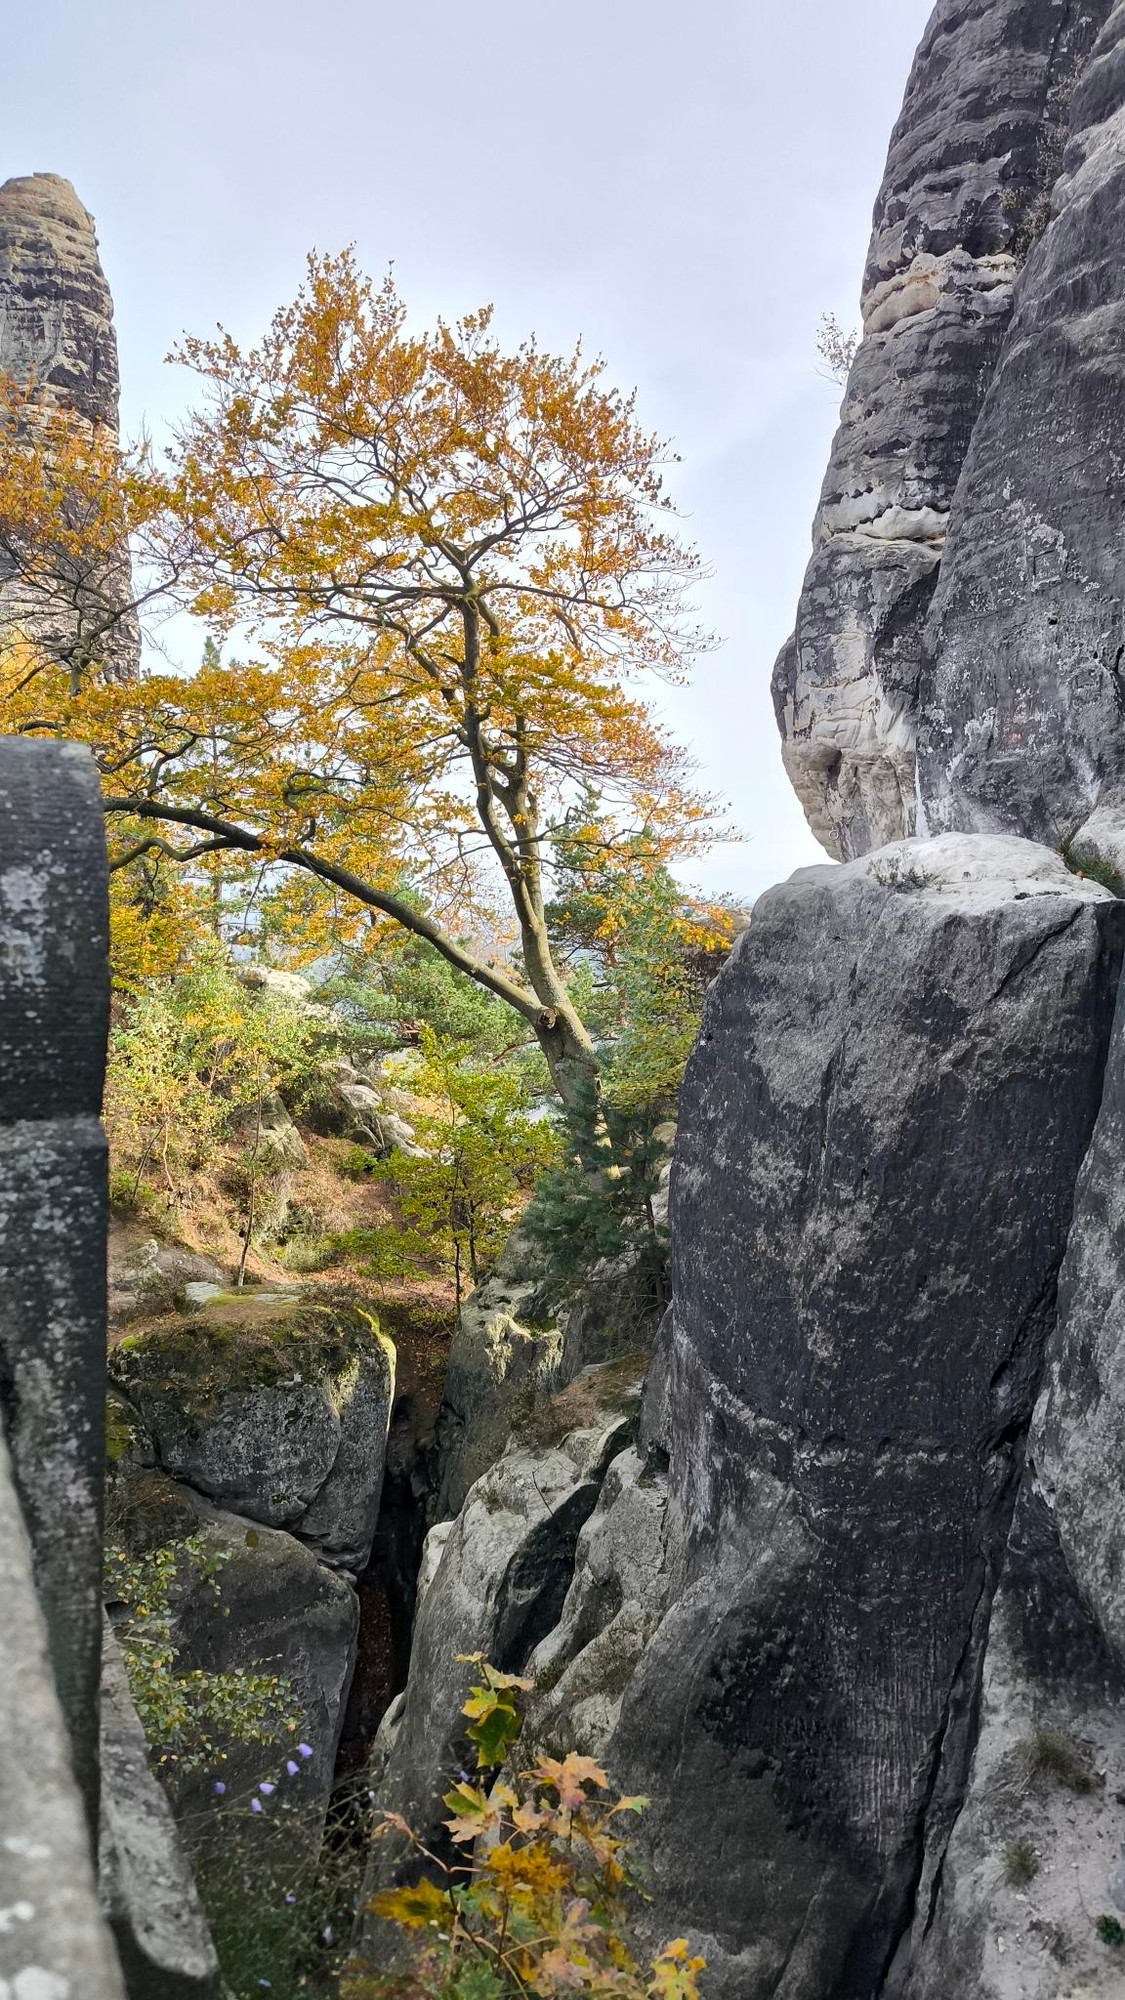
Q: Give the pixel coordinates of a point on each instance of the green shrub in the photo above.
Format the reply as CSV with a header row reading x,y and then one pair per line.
x,y
1110,1932
187,1715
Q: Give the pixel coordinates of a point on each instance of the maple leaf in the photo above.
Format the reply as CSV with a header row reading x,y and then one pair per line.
x,y
570,1776
559,1971
675,1975
416,1907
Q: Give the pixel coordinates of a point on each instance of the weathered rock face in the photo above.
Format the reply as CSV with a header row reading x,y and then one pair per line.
x,y
493,1581
1012,1894
54,1010
270,1134
1023,726
1035,1856
972,162
56,326
56,314
616,1597
146,1885
862,1296
281,1611
1080,1422
498,1363
274,1407
1043,1799
971,158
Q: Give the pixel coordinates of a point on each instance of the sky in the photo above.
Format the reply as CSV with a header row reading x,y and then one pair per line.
x,y
687,187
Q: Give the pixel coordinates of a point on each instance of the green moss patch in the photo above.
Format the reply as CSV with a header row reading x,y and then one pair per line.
x,y
237,1342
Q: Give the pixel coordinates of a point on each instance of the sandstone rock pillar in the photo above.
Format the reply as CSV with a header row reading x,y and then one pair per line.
x,y
895,1082
56,329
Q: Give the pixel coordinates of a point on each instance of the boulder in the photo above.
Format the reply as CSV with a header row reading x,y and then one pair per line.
x,y
145,1880
245,1599
896,1078
271,1608
348,1105
272,1135
148,1277
500,1360
968,176
275,1406
291,987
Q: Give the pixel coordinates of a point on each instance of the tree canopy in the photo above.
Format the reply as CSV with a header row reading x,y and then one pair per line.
x,y
440,574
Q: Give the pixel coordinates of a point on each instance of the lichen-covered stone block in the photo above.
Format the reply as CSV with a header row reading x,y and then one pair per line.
x,y
52,1939
53,1018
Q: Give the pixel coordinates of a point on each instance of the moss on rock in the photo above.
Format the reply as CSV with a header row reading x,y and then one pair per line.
x,y
242,1341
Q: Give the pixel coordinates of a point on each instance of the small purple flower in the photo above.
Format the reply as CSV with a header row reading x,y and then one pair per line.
x,y
304,1750
255,1805
290,1897
291,1767
220,1787
266,1787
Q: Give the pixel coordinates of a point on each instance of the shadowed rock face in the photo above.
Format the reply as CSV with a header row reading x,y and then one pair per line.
x,y
56,326
971,161
881,1125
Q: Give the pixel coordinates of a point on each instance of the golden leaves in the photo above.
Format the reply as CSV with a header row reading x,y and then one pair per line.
x,y
417,1907
535,1904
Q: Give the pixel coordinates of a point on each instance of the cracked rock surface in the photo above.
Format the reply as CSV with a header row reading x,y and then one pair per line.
x,y
896,1078
969,174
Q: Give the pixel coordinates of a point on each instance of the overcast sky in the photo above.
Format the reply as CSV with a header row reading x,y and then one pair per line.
x,y
686,186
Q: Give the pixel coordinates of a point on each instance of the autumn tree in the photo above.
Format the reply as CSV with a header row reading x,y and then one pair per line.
x,y
447,569
71,501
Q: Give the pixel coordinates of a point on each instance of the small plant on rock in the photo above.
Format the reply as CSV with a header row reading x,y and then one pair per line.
x,y
535,1899
1050,1756
1021,1864
1110,1932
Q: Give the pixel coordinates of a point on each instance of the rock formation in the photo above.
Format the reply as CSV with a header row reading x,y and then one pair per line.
x,y
56,314
275,1406
913,490
1024,697
843,1591
56,329
861,1306
493,1581
849,1605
